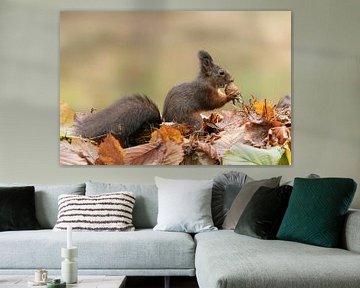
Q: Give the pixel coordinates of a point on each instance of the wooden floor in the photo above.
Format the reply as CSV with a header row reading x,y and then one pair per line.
x,y
158,282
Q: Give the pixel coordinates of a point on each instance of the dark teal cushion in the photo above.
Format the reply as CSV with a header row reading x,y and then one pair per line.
x,y
316,211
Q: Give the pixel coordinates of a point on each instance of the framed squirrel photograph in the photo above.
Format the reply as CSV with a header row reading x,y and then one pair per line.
x,y
175,88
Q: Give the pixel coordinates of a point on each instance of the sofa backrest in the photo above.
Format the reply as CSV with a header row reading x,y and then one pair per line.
x,y
46,200
146,203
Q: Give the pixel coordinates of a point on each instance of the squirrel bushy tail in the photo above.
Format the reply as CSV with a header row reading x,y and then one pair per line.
x,y
123,118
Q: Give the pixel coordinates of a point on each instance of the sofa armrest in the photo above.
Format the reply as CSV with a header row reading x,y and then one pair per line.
x,y
351,234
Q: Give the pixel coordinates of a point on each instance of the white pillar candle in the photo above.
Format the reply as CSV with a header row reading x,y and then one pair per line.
x,y
69,237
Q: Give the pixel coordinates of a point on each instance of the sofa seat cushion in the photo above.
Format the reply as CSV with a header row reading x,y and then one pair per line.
x,y
226,259
142,249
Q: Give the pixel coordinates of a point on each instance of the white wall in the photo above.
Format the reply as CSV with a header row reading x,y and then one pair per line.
x,y
326,91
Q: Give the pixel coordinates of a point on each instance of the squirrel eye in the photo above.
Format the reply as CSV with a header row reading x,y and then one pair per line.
x,y
221,72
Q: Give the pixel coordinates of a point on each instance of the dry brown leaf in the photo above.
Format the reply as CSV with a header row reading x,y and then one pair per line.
x,y
227,120
69,156
166,133
228,139
211,123
283,115
185,129
200,152
145,154
160,153
208,149
279,136
256,134
199,158
174,154
232,119
79,152
110,152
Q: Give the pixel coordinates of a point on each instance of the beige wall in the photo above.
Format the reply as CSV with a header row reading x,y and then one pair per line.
x,y
326,91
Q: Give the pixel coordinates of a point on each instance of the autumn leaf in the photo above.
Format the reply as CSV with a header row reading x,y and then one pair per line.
x,y
69,156
79,152
198,152
263,108
208,149
199,158
256,134
228,139
160,153
173,155
232,119
279,135
144,154
110,152
211,122
166,133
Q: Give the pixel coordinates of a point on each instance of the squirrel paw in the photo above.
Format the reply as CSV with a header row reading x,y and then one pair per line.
x,y
233,93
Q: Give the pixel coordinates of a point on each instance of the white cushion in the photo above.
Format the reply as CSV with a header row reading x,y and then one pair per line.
x,y
184,205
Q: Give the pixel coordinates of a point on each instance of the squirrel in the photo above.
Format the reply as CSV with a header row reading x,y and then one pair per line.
x,y
183,104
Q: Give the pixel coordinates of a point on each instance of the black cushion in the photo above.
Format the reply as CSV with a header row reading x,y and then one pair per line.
x,y
17,208
263,214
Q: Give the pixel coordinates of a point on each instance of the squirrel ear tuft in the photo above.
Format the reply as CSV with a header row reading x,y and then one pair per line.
x,y
203,55
206,62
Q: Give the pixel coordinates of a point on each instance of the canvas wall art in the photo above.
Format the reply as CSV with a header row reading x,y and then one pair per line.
x,y
175,88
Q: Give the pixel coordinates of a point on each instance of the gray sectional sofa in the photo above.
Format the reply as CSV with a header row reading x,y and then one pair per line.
x,y
218,258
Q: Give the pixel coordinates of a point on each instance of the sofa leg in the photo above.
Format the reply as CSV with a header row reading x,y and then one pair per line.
x,y
167,282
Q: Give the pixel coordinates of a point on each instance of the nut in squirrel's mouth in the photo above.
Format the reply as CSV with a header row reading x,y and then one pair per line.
x,y
223,85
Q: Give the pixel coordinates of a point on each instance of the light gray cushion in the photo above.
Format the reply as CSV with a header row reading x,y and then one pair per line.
x,y
310,176
46,200
225,189
351,232
137,250
184,205
105,212
243,198
225,259
146,204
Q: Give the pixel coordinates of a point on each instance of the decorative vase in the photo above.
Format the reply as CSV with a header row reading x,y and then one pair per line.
x,y
69,272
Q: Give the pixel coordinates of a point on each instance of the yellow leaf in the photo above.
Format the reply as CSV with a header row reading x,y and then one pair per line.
x,y
263,108
66,115
288,152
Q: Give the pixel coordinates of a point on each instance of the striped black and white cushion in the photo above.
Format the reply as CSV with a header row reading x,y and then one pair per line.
x,y
105,212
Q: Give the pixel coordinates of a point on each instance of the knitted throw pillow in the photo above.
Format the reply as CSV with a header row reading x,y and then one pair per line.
x,y
105,212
